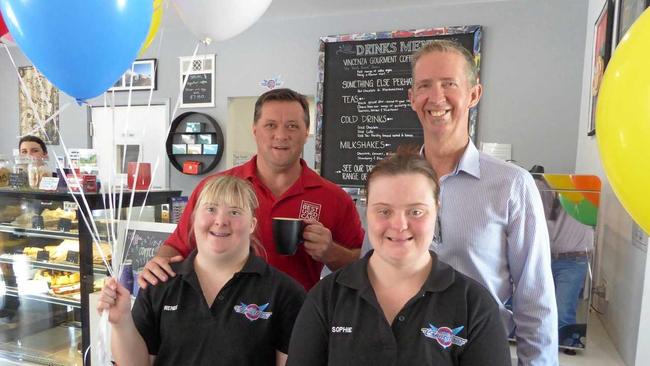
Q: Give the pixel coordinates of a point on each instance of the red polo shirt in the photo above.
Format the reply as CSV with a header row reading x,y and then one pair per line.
x,y
311,196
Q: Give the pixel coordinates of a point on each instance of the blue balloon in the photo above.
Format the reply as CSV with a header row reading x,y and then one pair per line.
x,y
80,46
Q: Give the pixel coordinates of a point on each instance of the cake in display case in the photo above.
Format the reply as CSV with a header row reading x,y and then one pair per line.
x,y
49,266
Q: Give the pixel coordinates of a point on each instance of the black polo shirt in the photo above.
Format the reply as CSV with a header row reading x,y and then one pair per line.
x,y
250,319
452,321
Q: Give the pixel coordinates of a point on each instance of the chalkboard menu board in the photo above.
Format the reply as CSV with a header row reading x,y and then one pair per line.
x,y
198,89
363,110
142,241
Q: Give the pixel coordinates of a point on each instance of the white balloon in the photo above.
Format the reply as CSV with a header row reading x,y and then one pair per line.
x,y
218,20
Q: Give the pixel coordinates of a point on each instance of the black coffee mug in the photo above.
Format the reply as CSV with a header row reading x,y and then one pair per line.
x,y
287,234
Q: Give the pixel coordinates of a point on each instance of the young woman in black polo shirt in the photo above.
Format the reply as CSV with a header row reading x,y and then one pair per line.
x,y
225,306
399,305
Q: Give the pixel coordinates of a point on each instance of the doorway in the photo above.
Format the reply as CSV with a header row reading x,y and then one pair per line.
x,y
124,134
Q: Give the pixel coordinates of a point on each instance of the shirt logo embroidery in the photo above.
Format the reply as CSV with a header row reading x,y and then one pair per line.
x,y
309,210
253,312
341,329
444,335
170,308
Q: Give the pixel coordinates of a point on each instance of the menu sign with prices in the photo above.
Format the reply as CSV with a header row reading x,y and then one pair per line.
x,y
363,108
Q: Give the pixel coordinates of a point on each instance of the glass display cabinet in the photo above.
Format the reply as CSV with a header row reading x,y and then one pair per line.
x,y
50,266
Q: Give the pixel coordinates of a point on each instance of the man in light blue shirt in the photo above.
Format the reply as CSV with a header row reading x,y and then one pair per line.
x,y
491,221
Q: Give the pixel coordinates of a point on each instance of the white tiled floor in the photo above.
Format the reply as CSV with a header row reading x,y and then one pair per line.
x,y
600,350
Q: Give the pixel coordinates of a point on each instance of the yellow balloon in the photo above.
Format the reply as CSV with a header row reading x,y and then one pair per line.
x,y
623,121
153,27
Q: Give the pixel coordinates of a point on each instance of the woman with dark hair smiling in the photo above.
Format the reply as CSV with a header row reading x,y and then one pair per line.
x,y
399,305
32,146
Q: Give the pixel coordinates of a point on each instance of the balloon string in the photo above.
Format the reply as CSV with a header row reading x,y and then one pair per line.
x,y
176,107
50,119
92,228
182,87
127,247
97,241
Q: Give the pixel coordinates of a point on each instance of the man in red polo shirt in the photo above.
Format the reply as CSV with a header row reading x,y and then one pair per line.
x,y
285,187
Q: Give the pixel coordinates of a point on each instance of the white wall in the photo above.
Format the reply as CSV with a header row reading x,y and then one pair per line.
x,y
622,265
74,130
531,69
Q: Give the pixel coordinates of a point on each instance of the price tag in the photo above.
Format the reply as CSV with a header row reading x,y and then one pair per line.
x,y
37,222
18,180
49,183
43,255
69,206
65,224
72,257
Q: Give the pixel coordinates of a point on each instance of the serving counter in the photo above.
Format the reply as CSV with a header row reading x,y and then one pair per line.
x,y
50,266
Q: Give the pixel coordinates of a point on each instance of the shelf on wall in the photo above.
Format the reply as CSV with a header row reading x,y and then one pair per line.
x,y
51,299
209,161
67,267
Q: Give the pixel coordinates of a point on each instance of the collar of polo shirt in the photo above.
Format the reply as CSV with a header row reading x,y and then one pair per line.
x,y
356,275
254,264
308,177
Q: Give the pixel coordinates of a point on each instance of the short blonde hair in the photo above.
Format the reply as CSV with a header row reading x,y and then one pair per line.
x,y
444,45
228,190
234,192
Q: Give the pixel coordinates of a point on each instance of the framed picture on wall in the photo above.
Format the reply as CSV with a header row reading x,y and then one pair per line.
x,y
45,98
629,11
198,90
141,76
601,54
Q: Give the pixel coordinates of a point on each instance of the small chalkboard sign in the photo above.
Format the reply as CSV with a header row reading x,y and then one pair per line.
x,y
72,257
43,255
37,222
18,180
198,90
65,224
142,241
144,246
197,81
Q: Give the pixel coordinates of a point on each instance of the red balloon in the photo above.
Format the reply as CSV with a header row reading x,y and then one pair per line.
x,y
3,27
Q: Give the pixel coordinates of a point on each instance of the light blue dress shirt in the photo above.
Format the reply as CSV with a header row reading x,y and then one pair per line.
x,y
493,230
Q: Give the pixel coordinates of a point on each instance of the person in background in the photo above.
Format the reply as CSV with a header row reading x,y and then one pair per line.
x,y
35,148
572,244
285,187
32,146
225,306
491,224
399,304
